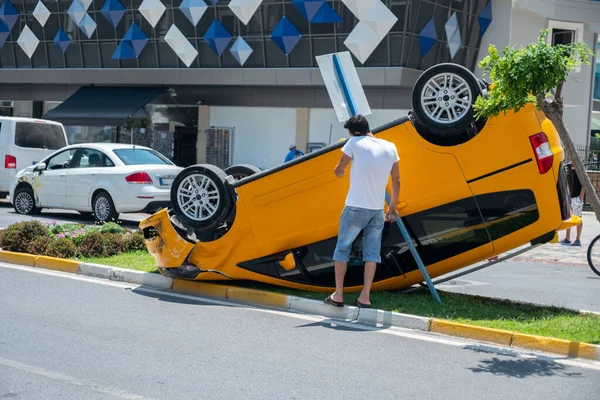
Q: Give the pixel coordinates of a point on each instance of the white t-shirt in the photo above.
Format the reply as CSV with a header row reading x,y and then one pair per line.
x,y
372,161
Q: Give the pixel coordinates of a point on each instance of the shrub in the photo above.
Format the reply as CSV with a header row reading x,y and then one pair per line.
x,y
1,236
63,248
91,245
42,246
18,237
112,227
134,242
112,244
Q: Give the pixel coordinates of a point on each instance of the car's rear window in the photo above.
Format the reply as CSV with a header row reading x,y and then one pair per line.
x,y
140,156
35,135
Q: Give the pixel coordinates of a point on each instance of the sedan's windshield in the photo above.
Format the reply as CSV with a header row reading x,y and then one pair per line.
x,y
141,156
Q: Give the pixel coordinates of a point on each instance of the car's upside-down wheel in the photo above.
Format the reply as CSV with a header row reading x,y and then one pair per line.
x,y
200,197
241,171
443,98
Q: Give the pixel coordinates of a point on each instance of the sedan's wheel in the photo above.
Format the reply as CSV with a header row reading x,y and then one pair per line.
x,y
199,196
241,171
24,202
443,98
104,208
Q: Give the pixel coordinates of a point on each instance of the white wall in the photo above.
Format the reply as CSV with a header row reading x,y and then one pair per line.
x,y
322,119
23,109
262,134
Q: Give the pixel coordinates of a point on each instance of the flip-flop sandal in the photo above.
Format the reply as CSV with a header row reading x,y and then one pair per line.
x,y
332,302
361,305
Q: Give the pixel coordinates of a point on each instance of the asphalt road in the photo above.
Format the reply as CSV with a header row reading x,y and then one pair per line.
x,y
575,287
8,216
75,338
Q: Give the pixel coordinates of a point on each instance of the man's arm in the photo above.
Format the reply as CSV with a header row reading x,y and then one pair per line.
x,y
392,213
344,161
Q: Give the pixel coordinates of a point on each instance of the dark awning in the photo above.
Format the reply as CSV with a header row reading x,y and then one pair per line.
x,y
102,105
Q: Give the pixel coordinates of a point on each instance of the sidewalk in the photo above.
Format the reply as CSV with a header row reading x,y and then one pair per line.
x,y
555,253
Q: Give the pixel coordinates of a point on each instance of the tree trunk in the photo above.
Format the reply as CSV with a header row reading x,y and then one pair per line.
x,y
553,112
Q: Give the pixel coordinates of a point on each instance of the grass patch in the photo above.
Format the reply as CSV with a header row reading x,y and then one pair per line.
x,y
528,318
137,260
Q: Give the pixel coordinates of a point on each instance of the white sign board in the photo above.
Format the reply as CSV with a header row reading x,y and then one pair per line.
x,y
343,85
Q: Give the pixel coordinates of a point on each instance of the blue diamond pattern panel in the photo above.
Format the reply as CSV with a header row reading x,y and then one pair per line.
x,y
241,50
87,25
217,37
8,16
317,11
76,11
132,44
193,10
113,11
427,37
62,40
485,18
286,35
213,2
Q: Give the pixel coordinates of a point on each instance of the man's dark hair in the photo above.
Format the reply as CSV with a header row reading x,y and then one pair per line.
x,y
358,123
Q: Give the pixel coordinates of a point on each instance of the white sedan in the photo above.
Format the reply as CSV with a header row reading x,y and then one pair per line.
x,y
103,179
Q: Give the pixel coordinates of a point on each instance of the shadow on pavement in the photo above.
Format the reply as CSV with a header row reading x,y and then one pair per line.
x,y
332,324
173,298
513,366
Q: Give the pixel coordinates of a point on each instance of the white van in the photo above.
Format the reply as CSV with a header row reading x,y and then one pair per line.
x,y
25,141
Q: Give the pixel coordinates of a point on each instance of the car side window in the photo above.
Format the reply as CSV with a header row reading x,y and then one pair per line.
x,y
61,160
90,158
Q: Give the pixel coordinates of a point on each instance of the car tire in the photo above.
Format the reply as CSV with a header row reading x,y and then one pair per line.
x,y
24,201
104,208
241,171
443,98
200,197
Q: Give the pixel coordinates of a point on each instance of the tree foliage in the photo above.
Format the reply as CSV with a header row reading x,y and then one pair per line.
x,y
528,74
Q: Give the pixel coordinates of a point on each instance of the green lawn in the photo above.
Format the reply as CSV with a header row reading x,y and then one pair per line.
x,y
474,310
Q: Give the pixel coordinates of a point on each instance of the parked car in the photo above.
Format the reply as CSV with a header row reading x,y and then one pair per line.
x,y
24,142
103,179
470,190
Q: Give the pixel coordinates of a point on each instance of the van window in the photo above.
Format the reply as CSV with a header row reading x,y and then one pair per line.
x,y
39,136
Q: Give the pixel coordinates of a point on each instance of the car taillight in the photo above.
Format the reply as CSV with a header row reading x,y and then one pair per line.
x,y
139,177
10,161
543,152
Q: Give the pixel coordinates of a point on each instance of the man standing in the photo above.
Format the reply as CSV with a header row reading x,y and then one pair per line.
x,y
373,160
577,191
293,153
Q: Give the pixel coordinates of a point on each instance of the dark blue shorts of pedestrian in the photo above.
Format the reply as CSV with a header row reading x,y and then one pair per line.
x,y
352,222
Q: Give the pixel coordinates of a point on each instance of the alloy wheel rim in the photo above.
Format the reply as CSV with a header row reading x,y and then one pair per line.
x,y
446,98
198,197
102,208
24,203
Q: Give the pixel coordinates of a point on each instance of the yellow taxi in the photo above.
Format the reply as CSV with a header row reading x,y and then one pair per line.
x,y
470,189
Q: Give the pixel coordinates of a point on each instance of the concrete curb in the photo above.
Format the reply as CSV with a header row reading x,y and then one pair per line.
x,y
303,305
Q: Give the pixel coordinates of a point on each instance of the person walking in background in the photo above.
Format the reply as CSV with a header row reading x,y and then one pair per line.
x,y
293,153
577,192
373,161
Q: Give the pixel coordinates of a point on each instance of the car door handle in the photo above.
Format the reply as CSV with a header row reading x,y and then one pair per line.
x,y
63,175
94,174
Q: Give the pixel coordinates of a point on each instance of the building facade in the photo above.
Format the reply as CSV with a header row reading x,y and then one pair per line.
x,y
181,74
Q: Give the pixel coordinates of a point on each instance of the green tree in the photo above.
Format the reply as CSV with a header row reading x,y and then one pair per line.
x,y
535,74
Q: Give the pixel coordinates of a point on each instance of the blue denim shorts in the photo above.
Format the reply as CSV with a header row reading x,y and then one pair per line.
x,y
352,222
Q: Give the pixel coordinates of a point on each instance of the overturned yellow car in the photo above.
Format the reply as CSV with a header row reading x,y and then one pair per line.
x,y
470,189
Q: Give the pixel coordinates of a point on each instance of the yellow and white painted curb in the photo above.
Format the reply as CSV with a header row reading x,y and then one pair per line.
x,y
303,305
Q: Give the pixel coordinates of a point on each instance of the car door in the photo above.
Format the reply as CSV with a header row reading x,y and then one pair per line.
x,y
50,184
82,177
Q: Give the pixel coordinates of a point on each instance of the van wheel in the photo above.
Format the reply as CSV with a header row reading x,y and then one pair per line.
x,y
104,208
241,171
24,202
200,197
443,98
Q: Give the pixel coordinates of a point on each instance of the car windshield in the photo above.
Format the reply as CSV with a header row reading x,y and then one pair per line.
x,y
141,156
39,136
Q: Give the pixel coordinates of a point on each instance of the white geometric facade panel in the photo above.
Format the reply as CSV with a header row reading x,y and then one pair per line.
x,y
76,11
28,41
244,9
453,35
241,50
181,46
193,10
41,13
85,3
152,10
375,22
